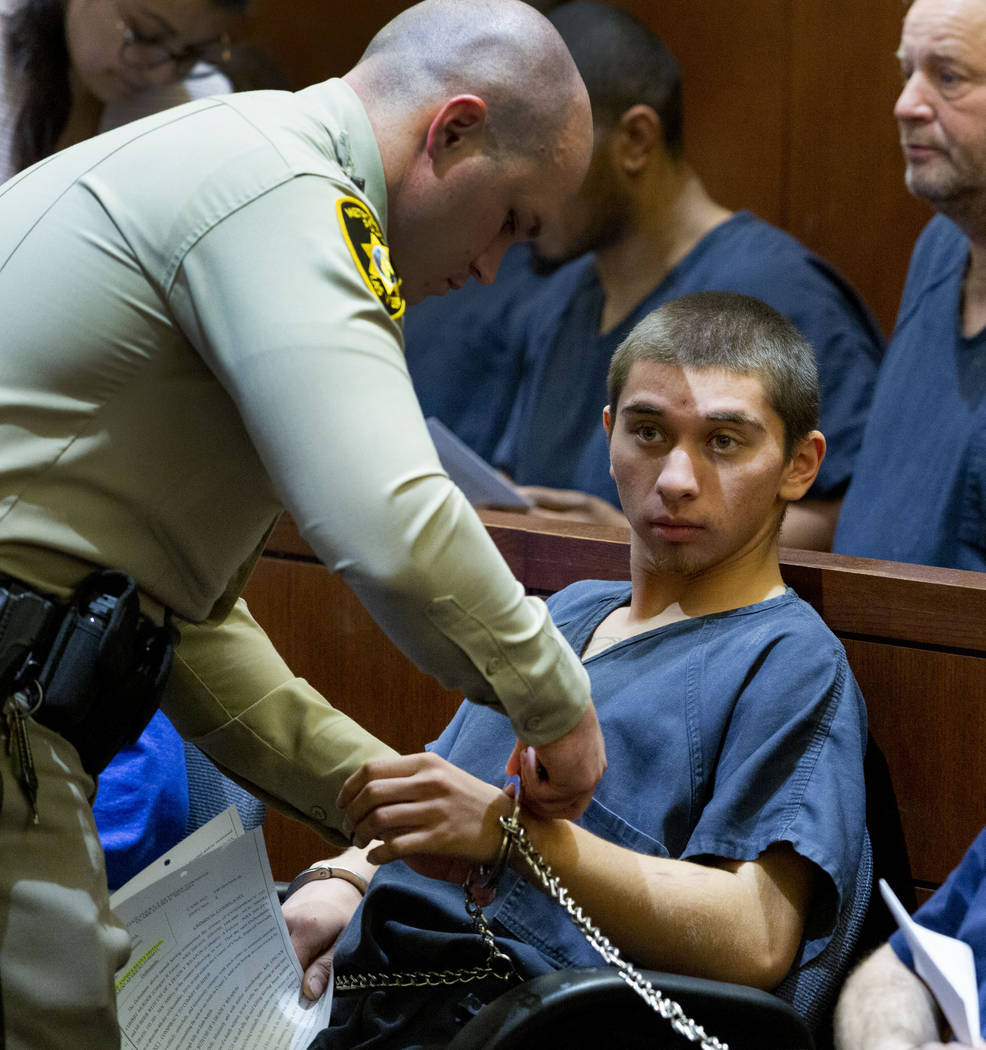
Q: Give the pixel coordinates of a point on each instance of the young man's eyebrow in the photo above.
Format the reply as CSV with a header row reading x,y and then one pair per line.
x,y
741,418
642,408
646,408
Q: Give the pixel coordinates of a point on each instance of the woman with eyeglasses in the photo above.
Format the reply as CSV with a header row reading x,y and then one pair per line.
x,y
72,68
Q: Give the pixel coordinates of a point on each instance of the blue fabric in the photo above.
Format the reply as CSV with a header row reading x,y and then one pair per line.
x,y
919,490
555,435
141,805
465,353
958,909
724,734
210,791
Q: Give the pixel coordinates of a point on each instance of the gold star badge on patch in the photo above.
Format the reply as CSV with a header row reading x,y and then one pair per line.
x,y
369,250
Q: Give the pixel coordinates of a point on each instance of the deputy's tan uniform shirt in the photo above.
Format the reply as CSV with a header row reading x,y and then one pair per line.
x,y
191,341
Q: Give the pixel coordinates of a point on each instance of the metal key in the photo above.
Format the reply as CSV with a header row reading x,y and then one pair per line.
x,y
18,709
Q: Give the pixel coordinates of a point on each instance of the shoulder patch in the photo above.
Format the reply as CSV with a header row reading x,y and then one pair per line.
x,y
369,250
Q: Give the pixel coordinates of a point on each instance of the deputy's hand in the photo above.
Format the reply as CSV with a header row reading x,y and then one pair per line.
x,y
572,505
425,811
315,916
558,779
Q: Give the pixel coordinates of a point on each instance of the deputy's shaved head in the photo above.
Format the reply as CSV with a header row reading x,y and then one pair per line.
x,y
485,133
503,51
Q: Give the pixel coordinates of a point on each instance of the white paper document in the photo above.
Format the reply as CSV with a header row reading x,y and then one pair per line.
x,y
212,966
481,484
946,966
217,832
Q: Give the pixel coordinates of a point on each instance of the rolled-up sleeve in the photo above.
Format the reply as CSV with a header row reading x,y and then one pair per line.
x,y
314,363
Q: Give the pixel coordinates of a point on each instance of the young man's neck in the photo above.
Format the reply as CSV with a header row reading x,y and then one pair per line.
x,y
661,598
672,215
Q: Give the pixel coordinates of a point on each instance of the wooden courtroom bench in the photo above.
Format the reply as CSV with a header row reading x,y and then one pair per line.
x,y
915,637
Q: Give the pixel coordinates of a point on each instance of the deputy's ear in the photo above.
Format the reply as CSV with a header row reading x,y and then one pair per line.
x,y
458,121
801,470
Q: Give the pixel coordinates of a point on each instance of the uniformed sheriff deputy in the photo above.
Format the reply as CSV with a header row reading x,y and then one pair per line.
x,y
201,326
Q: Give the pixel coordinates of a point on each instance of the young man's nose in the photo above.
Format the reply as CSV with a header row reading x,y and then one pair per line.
x,y
678,477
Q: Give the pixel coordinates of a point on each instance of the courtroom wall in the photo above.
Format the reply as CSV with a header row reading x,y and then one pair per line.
x,y
788,112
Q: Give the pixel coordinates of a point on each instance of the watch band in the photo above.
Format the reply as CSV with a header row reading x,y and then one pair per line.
x,y
326,871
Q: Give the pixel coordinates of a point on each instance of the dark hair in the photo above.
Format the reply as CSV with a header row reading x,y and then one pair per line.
x,y
38,57
623,63
37,53
735,333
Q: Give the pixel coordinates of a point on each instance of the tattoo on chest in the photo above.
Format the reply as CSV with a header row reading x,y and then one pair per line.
x,y
600,642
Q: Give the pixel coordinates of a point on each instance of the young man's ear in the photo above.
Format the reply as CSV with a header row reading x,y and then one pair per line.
x,y
608,427
459,123
803,467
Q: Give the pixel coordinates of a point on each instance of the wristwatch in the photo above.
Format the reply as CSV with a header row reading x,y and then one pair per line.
x,y
326,871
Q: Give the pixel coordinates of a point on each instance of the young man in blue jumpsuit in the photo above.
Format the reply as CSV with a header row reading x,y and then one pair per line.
x,y
727,835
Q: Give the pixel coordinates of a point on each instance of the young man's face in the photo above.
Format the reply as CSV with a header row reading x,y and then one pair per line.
x,y
698,458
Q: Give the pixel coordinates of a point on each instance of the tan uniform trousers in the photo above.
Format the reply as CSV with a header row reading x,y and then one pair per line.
x,y
60,945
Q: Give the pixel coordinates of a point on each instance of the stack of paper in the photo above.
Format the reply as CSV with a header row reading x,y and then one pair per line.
x,y
212,966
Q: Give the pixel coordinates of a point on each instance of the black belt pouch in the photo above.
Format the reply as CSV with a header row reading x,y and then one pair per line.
x,y
107,667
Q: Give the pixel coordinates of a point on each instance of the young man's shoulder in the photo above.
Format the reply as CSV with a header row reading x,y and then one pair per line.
x,y
582,595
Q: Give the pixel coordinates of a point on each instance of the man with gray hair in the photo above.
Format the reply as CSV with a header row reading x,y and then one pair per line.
x,y
202,327
918,491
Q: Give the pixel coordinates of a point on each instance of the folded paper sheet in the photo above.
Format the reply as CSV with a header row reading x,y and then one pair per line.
x,y
946,966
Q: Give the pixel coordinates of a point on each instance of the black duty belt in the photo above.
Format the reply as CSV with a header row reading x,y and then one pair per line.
x,y
92,668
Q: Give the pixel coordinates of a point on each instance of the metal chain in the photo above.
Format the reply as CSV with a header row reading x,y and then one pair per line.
x,y
667,1008
500,966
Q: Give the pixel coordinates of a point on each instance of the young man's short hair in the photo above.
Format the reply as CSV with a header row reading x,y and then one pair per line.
x,y
734,333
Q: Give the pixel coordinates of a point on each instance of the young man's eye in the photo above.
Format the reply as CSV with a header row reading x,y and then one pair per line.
x,y
648,432
723,442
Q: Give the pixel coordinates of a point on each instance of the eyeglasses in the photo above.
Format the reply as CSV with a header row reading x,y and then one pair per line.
x,y
149,52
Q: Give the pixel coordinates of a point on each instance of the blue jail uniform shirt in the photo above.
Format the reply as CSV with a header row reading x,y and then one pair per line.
x,y
919,490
